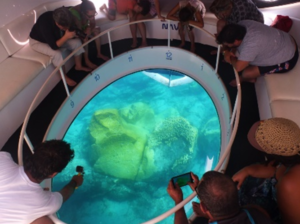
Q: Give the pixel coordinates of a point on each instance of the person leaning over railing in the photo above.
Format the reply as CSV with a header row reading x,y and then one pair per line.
x,y
219,202
233,11
84,15
127,7
274,185
257,50
51,33
188,13
154,11
22,199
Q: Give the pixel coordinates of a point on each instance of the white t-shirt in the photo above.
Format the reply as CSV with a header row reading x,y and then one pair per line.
x,y
21,200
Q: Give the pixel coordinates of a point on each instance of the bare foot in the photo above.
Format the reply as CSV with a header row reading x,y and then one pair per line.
x,y
213,52
144,44
134,44
193,48
181,45
90,64
70,82
82,68
103,57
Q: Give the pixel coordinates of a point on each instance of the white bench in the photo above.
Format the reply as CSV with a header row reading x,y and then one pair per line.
x,y
278,95
23,71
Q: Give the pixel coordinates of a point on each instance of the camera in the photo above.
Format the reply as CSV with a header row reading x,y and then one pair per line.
x,y
81,34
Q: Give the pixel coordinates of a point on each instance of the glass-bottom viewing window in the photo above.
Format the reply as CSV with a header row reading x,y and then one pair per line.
x,y
132,138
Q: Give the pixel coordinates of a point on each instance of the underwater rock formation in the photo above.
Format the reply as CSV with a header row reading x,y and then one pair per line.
x,y
130,144
119,146
210,134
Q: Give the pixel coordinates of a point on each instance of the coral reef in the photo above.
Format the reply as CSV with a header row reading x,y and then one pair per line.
x,y
174,139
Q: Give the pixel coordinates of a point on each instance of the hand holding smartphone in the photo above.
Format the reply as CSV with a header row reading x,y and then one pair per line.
x,y
182,180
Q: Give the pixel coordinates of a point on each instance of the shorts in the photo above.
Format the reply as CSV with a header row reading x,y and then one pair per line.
x,y
280,68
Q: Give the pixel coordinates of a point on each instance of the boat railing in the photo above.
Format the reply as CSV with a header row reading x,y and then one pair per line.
x,y
234,118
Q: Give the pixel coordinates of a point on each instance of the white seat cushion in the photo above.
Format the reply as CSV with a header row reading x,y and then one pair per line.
x,y
3,53
284,86
29,54
287,109
15,34
15,76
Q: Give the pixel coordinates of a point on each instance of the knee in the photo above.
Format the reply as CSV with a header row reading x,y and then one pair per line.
x,y
96,31
57,58
76,43
140,17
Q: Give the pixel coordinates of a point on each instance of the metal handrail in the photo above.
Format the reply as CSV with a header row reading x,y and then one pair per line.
x,y
234,122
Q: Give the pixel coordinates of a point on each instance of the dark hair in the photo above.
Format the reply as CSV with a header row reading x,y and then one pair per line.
x,y
285,160
185,14
218,193
87,5
49,157
230,33
145,5
63,17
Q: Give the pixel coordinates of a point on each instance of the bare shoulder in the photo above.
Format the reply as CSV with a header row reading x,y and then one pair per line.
x,y
291,180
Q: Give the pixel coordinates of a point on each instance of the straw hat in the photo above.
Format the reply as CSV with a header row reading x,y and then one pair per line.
x,y
278,136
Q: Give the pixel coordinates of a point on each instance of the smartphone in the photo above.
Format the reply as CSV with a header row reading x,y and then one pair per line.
x,y
183,179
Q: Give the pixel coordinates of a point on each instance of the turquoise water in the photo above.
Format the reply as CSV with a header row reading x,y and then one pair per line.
x,y
132,138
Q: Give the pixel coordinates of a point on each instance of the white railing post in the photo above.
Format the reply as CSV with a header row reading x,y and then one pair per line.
x,y
64,80
169,34
110,45
28,143
218,58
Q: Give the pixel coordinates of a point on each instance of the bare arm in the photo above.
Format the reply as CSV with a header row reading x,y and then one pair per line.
x,y
230,58
176,194
199,20
171,14
68,35
69,189
157,7
255,170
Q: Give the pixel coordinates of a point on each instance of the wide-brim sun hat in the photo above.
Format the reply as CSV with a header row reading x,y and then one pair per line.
x,y
278,136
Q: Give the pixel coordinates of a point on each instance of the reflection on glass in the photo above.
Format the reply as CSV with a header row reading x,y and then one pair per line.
x,y
131,139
